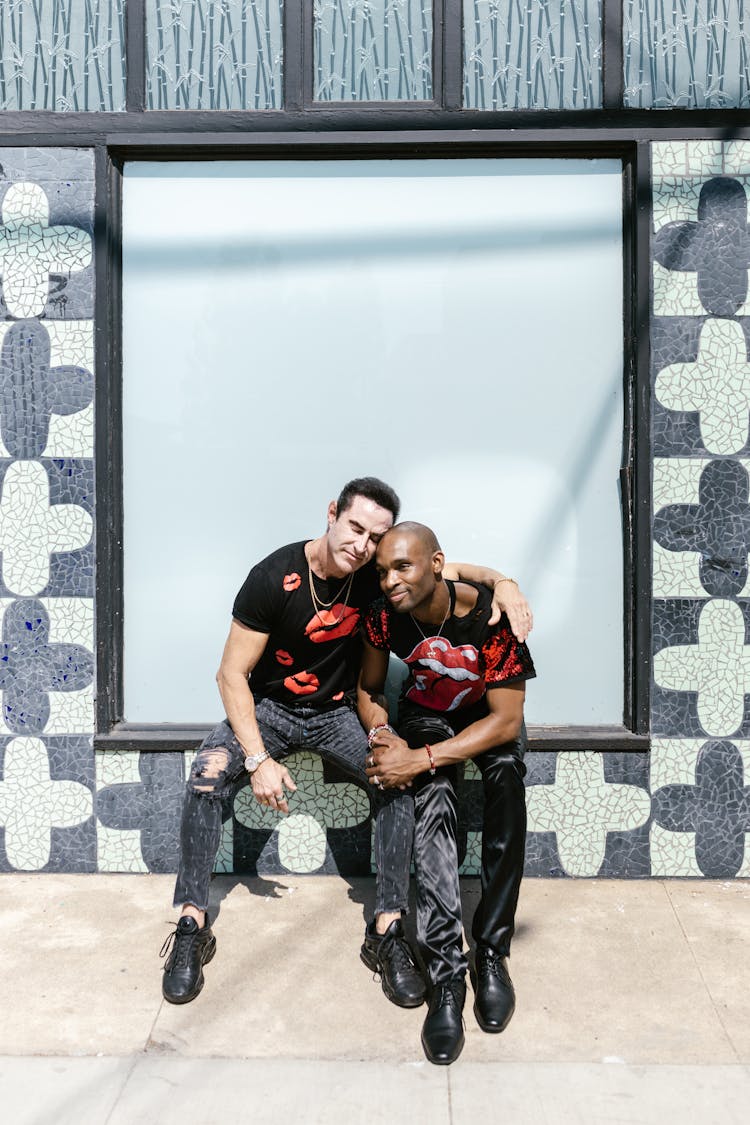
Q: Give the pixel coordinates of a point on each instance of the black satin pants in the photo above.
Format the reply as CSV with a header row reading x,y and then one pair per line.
x,y
439,921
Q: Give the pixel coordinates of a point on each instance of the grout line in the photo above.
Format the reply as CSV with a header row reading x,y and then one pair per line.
x,y
450,1096
700,974
150,1035
136,1057
121,1091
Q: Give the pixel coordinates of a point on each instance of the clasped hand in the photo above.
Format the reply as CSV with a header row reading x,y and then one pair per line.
x,y
390,762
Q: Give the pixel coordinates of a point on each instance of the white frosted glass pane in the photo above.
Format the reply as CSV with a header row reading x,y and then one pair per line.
x,y
214,54
694,55
62,55
531,55
372,50
452,326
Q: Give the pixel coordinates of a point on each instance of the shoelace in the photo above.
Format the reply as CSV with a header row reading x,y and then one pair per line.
x,y
447,997
491,964
398,951
179,944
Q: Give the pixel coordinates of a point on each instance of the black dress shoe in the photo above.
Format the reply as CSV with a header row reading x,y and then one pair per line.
x,y
390,955
443,1029
192,948
494,997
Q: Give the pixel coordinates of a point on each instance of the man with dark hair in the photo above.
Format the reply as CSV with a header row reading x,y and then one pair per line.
x,y
287,680
462,699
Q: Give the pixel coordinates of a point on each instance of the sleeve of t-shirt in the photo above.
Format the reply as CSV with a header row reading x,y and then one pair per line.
x,y
257,603
375,626
506,660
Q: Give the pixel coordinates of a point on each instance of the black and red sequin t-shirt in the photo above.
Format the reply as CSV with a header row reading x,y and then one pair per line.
x,y
311,656
453,670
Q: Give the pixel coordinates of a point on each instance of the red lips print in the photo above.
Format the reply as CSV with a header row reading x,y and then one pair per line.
x,y
303,683
291,582
444,677
284,657
330,624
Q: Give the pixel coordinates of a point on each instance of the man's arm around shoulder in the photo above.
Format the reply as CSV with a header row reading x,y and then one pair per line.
x,y
506,595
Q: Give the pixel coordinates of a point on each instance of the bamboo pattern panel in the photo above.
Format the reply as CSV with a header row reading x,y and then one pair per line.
x,y
532,54
214,54
691,53
373,50
62,55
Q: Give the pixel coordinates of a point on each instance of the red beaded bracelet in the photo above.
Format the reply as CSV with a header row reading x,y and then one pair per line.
x,y
432,760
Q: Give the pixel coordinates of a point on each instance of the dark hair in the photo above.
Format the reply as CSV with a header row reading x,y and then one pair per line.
x,y
372,489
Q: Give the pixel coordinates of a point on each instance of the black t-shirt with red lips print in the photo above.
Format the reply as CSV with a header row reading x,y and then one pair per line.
x,y
452,671
311,657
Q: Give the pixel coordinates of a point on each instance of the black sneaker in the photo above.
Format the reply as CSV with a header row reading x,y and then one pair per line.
x,y
389,955
191,949
494,995
443,1028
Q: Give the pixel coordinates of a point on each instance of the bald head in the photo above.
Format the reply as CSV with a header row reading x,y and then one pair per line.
x,y
416,533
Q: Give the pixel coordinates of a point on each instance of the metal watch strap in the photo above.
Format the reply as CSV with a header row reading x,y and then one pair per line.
x,y
252,761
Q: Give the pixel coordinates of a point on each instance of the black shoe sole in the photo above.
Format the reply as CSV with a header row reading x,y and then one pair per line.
x,y
210,950
373,964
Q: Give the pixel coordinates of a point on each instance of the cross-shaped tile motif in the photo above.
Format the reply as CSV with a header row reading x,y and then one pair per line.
x,y
31,667
717,385
151,806
31,390
716,809
31,528
717,668
581,807
716,247
32,804
717,527
316,806
31,250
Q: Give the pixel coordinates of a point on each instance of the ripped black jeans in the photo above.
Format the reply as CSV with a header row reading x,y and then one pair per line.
x,y
439,923
336,734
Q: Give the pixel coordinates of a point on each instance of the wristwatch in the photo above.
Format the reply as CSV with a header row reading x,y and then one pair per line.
x,y
252,761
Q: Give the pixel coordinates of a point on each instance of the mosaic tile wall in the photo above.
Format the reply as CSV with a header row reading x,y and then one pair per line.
x,y
47,786
701,396
682,810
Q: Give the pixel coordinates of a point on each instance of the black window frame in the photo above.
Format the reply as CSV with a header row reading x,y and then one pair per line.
x,y
113,731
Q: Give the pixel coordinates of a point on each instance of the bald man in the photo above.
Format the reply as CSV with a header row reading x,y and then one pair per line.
x,y
462,699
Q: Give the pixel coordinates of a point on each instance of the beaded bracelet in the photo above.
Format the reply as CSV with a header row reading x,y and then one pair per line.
x,y
376,730
432,760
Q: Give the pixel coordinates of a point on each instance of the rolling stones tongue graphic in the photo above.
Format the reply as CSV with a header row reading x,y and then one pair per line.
x,y
444,676
330,624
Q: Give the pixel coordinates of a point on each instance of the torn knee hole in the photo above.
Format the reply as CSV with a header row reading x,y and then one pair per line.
x,y
209,771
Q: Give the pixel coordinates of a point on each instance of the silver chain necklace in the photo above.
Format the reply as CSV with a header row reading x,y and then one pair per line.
x,y
433,636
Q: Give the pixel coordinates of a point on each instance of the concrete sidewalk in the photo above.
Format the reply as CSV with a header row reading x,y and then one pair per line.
x,y
632,1007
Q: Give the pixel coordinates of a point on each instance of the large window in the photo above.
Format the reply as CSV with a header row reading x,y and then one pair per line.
x,y
452,326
